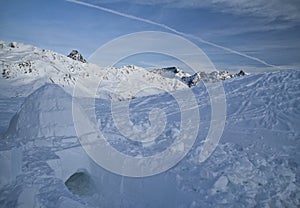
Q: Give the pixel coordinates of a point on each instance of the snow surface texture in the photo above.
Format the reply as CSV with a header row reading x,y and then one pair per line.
x,y
256,163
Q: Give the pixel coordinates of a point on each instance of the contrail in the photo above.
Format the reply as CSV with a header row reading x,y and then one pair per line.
x,y
172,30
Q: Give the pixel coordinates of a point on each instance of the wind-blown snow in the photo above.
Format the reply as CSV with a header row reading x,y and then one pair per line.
x,y
256,163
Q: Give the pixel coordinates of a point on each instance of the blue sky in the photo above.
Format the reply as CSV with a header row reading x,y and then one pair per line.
x,y
266,30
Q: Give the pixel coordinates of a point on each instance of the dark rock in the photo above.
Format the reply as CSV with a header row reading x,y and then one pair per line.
x,y
172,69
76,56
12,44
241,73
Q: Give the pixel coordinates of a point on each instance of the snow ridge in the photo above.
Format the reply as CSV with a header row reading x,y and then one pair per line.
x,y
25,68
193,80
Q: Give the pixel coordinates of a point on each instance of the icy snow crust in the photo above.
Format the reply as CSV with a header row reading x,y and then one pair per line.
x,y
255,164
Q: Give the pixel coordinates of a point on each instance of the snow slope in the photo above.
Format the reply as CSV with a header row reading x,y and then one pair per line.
x,y
256,163
25,68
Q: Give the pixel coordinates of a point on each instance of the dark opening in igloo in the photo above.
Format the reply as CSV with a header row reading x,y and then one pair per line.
x,y
80,183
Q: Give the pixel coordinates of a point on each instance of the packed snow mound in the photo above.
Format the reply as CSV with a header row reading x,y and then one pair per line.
x,y
75,55
25,68
45,113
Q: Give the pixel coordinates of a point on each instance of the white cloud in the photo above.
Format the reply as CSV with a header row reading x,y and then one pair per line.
x,y
272,9
287,10
227,49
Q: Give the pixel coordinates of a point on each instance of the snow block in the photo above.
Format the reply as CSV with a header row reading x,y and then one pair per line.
x,y
47,112
11,165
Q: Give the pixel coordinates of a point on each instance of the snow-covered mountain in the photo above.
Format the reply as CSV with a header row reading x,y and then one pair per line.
x,y
25,68
171,72
214,76
194,79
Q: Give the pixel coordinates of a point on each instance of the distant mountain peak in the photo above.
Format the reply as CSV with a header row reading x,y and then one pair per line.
x,y
76,56
194,79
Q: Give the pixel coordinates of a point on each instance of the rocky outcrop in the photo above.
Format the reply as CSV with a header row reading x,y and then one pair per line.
x,y
76,56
